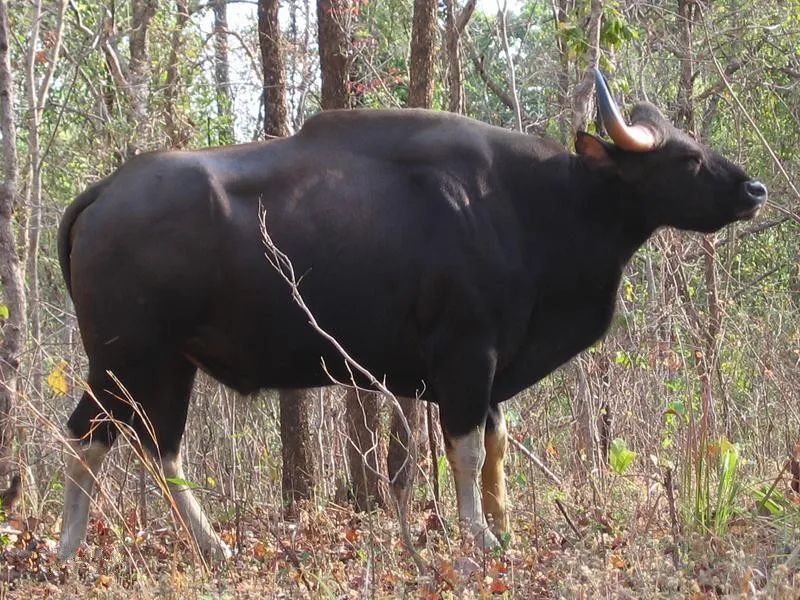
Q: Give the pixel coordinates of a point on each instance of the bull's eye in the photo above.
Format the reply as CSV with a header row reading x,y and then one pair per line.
x,y
694,162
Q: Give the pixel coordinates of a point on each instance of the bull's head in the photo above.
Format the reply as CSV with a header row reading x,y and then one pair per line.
x,y
683,183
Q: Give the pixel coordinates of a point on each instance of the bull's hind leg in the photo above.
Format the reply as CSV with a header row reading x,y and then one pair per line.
x,y
160,428
160,387
493,477
93,430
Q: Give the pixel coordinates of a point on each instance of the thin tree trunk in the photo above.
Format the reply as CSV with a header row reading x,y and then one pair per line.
x,y
456,23
685,115
512,74
38,92
297,475
274,92
14,323
423,42
334,49
138,80
582,96
560,11
401,458
361,414
177,132
222,79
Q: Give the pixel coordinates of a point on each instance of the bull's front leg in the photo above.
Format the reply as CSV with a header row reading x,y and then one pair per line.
x,y
466,454
463,383
493,477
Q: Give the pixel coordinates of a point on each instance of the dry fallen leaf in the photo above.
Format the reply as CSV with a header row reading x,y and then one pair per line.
x,y
617,562
498,586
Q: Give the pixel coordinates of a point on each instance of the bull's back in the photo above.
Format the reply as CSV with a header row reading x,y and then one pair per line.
x,y
168,256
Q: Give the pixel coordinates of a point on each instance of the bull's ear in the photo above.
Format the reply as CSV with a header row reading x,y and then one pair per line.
x,y
594,151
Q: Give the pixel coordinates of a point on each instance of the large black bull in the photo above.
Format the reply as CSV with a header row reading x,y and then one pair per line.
x,y
460,261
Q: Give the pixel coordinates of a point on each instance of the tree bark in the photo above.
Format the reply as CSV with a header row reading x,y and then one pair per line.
x,y
423,43
274,91
685,115
222,79
177,131
139,73
560,8
401,458
13,325
582,96
38,92
363,431
297,476
456,23
334,50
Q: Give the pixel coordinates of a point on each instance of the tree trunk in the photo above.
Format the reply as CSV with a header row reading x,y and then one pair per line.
x,y
456,23
685,115
38,92
139,73
334,50
222,79
560,8
274,92
13,323
582,96
297,476
363,448
401,459
423,42
178,132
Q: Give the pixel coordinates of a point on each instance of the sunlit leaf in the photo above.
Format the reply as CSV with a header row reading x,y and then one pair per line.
x,y
182,482
620,457
57,381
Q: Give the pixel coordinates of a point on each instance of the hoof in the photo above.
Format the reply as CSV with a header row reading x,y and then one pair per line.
x,y
483,536
215,549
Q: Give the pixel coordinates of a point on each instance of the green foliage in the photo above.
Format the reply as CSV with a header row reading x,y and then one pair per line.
x,y
713,467
182,483
727,485
620,458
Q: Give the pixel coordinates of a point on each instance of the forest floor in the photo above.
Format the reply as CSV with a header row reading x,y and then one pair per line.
x,y
331,552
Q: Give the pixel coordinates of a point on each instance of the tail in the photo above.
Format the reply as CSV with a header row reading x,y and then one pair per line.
x,y
65,228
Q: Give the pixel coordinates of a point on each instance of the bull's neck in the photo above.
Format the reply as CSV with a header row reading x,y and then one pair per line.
x,y
589,228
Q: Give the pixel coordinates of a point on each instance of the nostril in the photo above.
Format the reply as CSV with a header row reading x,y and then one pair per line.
x,y
756,190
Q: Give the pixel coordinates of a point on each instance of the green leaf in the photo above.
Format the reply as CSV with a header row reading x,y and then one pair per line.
x,y
4,314
182,482
677,408
621,458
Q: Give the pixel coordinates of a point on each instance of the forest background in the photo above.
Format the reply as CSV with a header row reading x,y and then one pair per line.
x,y
664,461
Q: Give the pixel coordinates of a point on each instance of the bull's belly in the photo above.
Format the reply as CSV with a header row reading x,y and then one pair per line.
x,y
256,360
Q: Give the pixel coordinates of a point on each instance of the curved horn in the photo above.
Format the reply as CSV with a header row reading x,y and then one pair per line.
x,y
635,138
